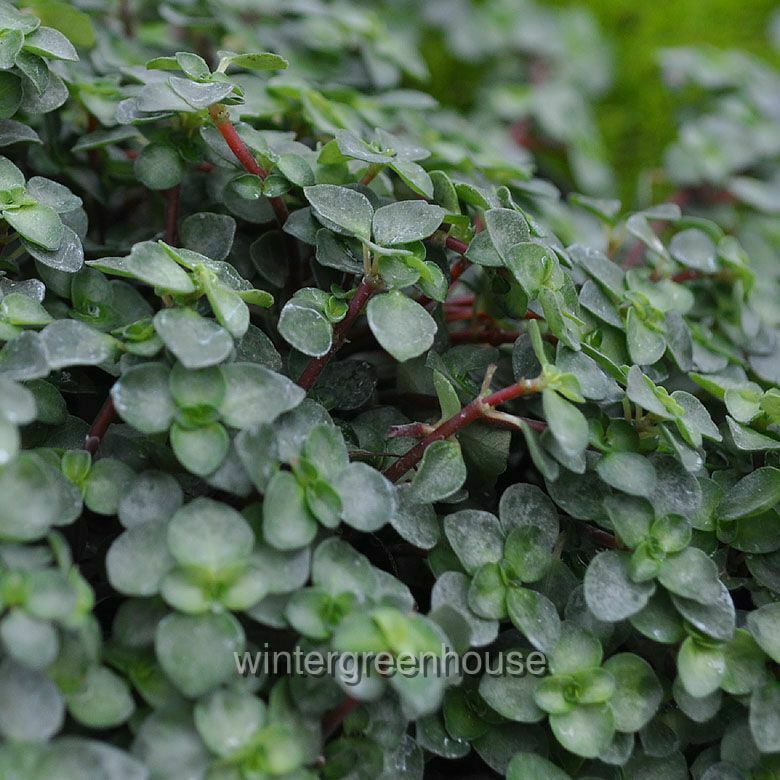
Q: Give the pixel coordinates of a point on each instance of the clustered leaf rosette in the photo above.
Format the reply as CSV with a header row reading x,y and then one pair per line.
x,y
512,572
505,556
193,89
51,644
402,326
195,405
187,276
321,487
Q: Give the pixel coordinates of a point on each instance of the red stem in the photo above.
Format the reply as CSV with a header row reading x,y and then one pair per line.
x,y
245,156
461,264
457,271
364,291
521,133
172,198
604,538
371,174
335,717
463,300
99,426
431,401
686,276
468,414
241,151
465,313
476,409
456,245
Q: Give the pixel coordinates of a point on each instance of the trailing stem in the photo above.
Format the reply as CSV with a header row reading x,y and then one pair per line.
x,y
458,267
456,245
602,538
365,290
478,408
244,155
242,152
371,173
335,717
99,426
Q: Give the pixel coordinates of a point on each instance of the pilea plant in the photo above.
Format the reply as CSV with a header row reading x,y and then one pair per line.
x,y
309,387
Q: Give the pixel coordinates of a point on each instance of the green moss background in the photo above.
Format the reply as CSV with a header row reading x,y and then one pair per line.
x,y
637,115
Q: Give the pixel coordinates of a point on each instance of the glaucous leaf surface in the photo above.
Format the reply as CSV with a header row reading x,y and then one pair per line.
x,y
238,306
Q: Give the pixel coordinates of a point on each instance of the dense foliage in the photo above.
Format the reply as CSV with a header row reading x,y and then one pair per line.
x,y
297,360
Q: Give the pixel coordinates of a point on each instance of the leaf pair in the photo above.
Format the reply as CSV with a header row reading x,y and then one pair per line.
x,y
323,487
194,404
166,268
349,212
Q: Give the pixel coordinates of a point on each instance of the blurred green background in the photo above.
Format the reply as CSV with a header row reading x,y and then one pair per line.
x,y
636,114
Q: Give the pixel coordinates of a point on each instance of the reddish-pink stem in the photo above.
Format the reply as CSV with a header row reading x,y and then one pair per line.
x,y
241,151
364,291
247,159
461,264
99,426
473,411
464,313
687,275
521,132
456,245
463,300
371,174
245,156
335,717
602,537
